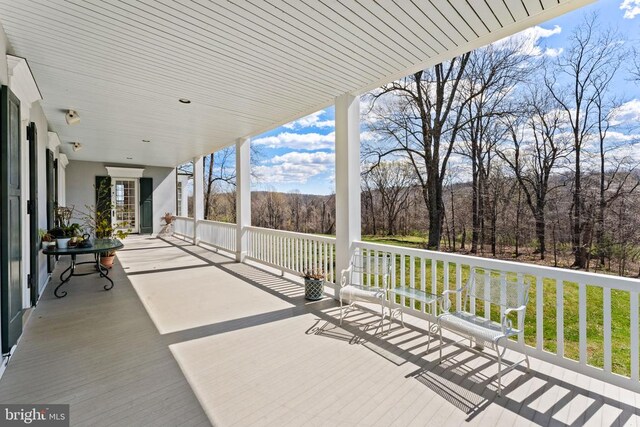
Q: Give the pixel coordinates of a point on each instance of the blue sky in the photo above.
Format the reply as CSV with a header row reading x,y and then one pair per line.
x,y
300,155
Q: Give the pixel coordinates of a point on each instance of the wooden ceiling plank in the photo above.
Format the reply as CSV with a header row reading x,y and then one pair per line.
x,y
517,9
501,11
269,19
335,33
124,51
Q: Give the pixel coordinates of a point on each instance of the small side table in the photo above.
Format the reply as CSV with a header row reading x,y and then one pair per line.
x,y
429,300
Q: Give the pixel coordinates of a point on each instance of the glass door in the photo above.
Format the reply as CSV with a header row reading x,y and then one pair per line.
x,y
125,204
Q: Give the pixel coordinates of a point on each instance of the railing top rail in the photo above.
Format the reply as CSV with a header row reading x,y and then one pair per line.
x,y
221,223
184,218
603,280
293,234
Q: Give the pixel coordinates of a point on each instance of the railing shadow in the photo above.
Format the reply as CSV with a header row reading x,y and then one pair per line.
x,y
460,379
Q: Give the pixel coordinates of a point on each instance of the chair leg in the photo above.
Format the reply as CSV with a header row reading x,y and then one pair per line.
x,y
440,347
341,311
499,371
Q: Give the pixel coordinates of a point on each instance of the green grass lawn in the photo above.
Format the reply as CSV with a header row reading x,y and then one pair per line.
x,y
620,309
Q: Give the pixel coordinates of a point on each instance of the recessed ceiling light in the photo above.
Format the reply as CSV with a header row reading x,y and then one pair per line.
x,y
146,140
129,158
185,100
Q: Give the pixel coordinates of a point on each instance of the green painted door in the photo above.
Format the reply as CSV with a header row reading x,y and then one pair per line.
x,y
10,219
51,204
146,205
32,210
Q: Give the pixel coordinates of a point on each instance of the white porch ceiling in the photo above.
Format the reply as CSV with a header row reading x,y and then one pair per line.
x,y
247,66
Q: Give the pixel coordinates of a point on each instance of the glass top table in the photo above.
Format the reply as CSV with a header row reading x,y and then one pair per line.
x,y
428,299
99,246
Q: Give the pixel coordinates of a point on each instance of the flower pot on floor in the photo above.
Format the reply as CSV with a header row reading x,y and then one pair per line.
x,y
107,261
313,289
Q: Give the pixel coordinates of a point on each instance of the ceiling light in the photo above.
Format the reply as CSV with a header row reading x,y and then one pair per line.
x,y
184,100
146,141
72,117
76,146
129,158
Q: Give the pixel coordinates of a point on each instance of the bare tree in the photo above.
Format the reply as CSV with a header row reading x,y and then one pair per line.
x,y
393,182
220,175
490,77
419,117
593,56
537,146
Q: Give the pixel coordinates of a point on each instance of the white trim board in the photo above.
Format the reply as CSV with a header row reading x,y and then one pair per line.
x,y
124,172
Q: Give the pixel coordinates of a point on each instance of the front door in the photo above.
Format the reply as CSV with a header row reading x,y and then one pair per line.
x,y
125,204
10,219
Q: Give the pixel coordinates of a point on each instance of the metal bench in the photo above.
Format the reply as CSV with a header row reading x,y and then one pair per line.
x,y
498,290
366,279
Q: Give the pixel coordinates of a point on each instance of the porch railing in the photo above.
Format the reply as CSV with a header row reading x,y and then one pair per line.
x,y
183,226
292,252
581,321
221,235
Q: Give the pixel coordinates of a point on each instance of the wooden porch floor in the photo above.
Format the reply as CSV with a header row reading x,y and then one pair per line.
x,y
189,337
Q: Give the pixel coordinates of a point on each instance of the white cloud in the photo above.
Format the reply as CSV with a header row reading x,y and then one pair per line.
x,y
529,39
298,141
319,157
312,120
627,113
631,8
295,167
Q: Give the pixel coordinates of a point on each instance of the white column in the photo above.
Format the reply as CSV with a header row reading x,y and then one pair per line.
x,y
183,180
243,196
198,196
347,179
63,161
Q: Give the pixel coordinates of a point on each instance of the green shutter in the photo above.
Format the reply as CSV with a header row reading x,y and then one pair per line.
x,y
146,205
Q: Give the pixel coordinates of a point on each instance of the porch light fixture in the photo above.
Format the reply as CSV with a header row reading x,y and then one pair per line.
x,y
76,146
184,100
72,117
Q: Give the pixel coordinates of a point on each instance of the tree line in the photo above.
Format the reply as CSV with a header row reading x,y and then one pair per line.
x,y
499,151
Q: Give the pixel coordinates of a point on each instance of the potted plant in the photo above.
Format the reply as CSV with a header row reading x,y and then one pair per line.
x,y
64,229
168,218
97,221
313,284
45,238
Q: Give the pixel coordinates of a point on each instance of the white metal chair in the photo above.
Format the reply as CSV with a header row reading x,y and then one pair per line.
x,y
366,280
495,289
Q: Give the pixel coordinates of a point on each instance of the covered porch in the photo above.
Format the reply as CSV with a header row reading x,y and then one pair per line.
x,y
188,336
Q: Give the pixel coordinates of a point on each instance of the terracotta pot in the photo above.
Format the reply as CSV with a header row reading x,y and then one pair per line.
x,y
107,261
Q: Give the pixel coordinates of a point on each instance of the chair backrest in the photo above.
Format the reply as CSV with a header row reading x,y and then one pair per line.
x,y
370,267
497,287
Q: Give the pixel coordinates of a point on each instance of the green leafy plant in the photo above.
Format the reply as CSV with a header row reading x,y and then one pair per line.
x,y
97,218
64,227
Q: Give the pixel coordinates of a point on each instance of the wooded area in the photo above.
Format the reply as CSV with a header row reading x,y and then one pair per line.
x,y
500,151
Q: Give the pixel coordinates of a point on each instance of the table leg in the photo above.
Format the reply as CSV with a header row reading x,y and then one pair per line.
x,y
71,269
102,271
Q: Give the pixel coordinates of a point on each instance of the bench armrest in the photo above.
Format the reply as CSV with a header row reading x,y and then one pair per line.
x,y
445,303
511,310
344,276
507,324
